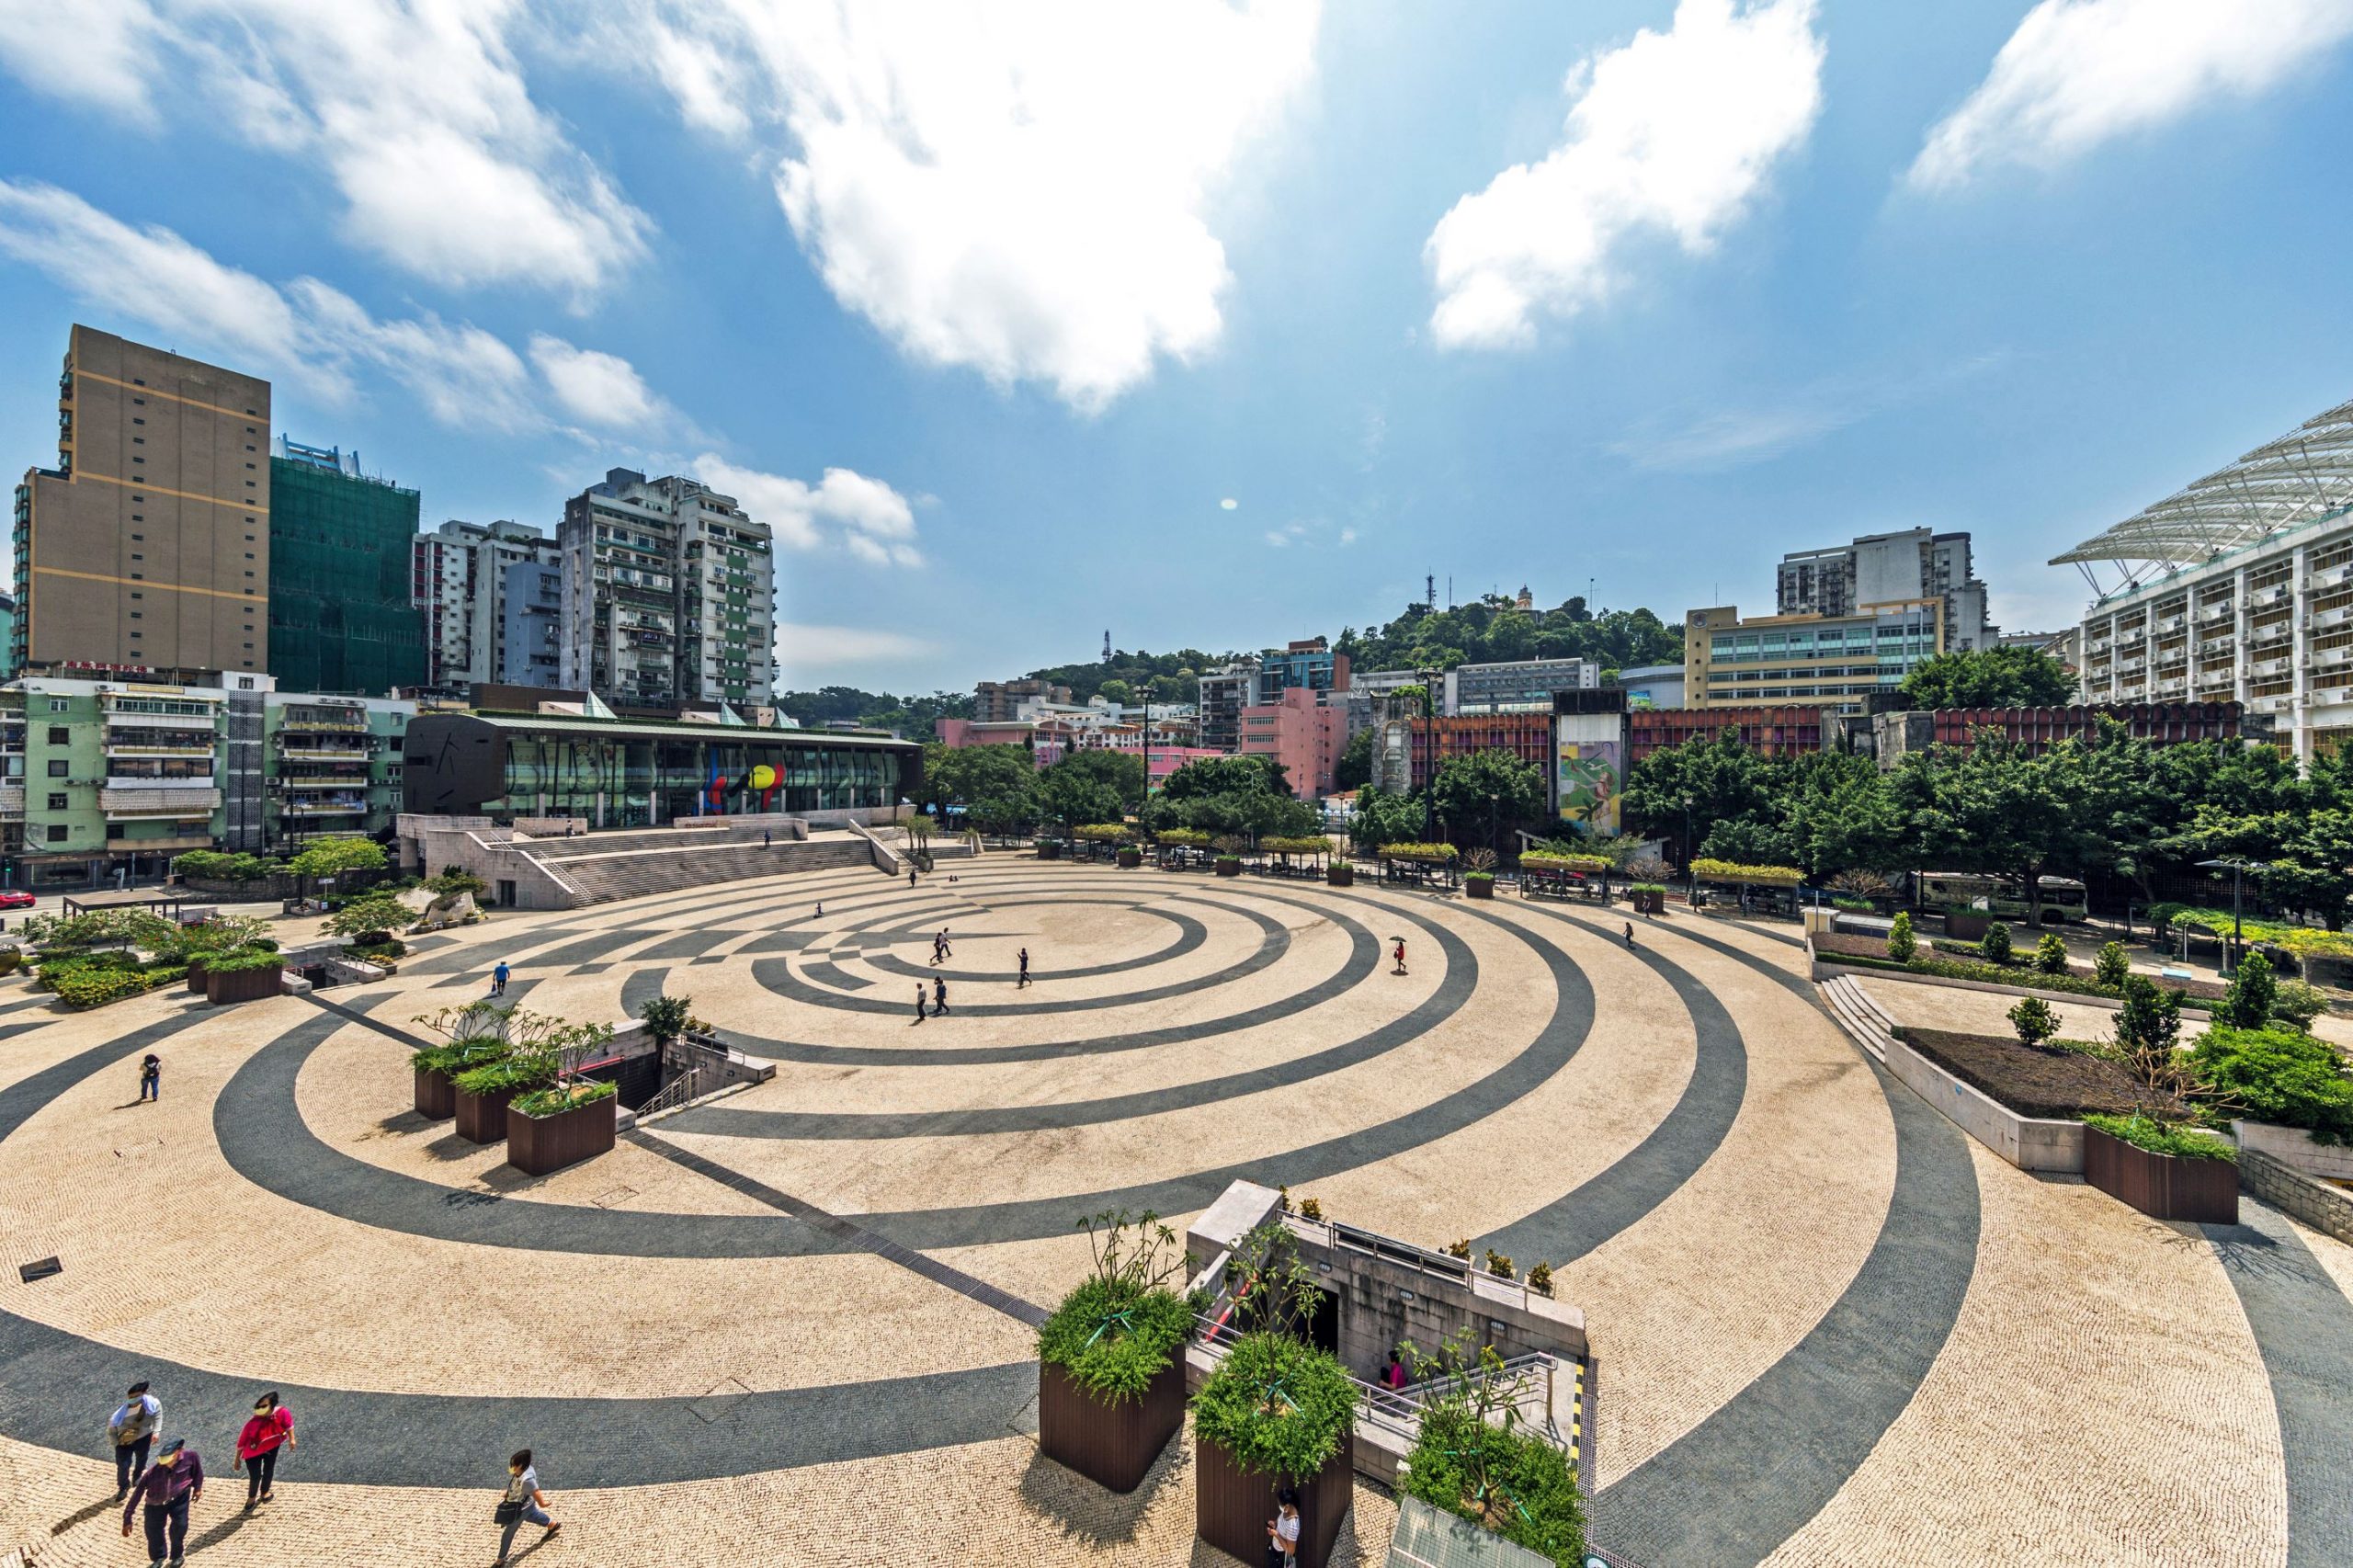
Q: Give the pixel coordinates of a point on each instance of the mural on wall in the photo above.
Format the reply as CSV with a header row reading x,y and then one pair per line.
x,y
1586,756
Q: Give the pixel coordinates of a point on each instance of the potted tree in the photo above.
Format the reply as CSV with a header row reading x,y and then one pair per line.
x,y
1278,1413
1474,1457
1111,1359
2166,1170
472,1036
1229,856
483,1092
243,974
1479,882
562,1124
1339,873
368,925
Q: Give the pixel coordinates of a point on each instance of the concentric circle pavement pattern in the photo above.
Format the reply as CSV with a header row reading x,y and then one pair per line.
x,y
794,1324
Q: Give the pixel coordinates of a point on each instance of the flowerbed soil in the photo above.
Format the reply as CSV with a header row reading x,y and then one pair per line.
x,y
2033,1080
1836,945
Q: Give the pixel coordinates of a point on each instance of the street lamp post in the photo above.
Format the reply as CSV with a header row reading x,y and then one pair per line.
x,y
1690,877
1495,805
2238,941
1429,751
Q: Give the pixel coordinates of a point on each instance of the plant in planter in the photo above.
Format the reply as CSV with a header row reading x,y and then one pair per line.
x,y
1539,1279
561,1124
484,1092
1650,898
2166,1170
1500,1266
1229,854
369,920
436,1067
243,974
1111,1359
1277,1413
1479,882
668,1019
1474,1458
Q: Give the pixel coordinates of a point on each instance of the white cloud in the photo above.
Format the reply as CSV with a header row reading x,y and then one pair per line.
x,y
866,517
1737,437
305,331
2079,72
1673,133
601,390
1229,503
804,647
1021,188
418,112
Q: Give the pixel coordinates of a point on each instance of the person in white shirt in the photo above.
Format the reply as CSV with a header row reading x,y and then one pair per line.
x,y
1282,1530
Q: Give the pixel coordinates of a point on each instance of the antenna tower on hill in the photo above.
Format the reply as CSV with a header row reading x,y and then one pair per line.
x,y
1107,644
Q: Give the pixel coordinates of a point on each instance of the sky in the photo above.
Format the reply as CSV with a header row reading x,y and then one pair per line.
x,y
1215,324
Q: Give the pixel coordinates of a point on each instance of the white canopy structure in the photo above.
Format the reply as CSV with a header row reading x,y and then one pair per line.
x,y
2306,473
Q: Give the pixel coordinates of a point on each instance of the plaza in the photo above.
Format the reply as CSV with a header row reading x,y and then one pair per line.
x,y
795,1322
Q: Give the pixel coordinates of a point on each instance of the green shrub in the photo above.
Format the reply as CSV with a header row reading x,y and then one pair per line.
x,y
557,1098
1901,943
518,1071
1850,905
1474,1458
667,1017
1283,845
1708,871
1996,944
2034,1020
90,986
1646,887
1113,1336
1437,852
2150,1019
458,1055
455,880
243,961
2298,1002
2282,1076
2163,1136
370,915
2247,1005
2050,954
1478,876
2111,966
1276,1406
1183,837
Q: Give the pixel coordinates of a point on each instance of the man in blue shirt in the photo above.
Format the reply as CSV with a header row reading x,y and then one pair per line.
x,y
498,979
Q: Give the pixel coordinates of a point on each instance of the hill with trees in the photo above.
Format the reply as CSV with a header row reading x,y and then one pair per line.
x,y
1495,630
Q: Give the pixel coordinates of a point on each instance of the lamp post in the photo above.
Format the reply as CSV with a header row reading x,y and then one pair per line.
x,y
1429,751
1494,805
2236,867
1690,877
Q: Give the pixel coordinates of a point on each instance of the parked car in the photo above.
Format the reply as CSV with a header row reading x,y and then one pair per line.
x,y
17,898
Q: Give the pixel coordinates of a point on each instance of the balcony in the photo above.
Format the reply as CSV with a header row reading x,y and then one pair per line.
x,y
322,720
121,719
2339,615
331,753
2329,658
2278,703
2208,614
324,806
156,745
2265,669
2097,646
157,798
2172,623
2178,686
12,800
346,782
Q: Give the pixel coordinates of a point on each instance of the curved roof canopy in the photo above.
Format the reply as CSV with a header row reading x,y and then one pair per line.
x,y
2304,474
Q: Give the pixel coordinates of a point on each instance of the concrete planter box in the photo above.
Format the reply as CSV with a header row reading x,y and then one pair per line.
x,y
1131,859
1648,900
1478,887
482,1119
1340,876
243,985
542,1143
1111,1445
2164,1186
1049,850
1230,1506
435,1096
1229,868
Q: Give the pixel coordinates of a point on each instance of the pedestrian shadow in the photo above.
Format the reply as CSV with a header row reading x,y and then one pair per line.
x,y
102,1507
218,1533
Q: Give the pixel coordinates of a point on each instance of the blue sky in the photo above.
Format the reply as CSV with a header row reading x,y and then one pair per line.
x,y
990,311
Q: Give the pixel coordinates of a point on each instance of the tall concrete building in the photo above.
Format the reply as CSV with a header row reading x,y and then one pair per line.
x,y
148,544
669,594
1000,701
460,577
1890,568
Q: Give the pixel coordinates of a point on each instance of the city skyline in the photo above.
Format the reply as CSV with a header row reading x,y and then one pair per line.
x,y
1331,301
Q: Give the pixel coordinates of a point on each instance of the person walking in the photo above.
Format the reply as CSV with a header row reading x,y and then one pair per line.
x,y
766,838
910,876
522,1503
269,1429
1629,933
150,1078
1399,956
132,1429
498,979
919,1001
934,952
1282,1530
1025,970
172,1484
940,995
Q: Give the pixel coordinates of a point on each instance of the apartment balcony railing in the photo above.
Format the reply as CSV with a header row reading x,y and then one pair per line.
x,y
2339,615
2276,592
2208,614
343,781
12,800
2172,623
321,753
177,801
321,721
2329,658
119,719
324,805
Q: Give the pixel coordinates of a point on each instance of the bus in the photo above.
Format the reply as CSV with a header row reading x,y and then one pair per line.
x,y
2061,898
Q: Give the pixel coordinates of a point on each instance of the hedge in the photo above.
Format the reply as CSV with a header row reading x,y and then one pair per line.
x,y
1318,845
1732,872
1434,852
1539,861
2163,1138
1994,974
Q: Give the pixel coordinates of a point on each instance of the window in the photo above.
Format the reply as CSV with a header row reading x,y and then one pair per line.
x,y
246,683
57,801
57,705
135,593
56,833
60,735
139,440
57,768
138,615
137,421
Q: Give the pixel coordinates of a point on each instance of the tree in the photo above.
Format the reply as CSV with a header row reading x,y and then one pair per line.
x,y
378,915
1092,785
332,857
1383,818
2247,1003
667,1017
1488,791
1231,794
1989,677
2034,1020
1994,805
1354,770
1724,781
2150,1019
1116,690
1901,943
997,785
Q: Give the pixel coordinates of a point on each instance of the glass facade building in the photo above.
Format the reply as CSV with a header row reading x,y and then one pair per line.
x,y
1835,661
341,615
628,773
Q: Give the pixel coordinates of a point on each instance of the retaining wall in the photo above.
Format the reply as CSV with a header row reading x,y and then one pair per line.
x,y
2031,1143
2323,1208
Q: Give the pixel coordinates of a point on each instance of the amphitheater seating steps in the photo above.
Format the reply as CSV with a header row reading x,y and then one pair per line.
x,y
606,872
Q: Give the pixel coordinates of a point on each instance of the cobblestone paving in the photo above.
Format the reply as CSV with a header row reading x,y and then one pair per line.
x,y
1829,1329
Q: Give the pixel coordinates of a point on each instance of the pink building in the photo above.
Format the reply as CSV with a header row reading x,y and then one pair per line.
x,y
1162,761
1303,734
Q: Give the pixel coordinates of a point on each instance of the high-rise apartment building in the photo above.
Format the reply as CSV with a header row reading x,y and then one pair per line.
x,y
1225,693
461,577
148,544
669,594
1000,701
1308,663
340,612
1890,568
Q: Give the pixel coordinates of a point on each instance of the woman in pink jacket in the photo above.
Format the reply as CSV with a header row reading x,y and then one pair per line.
x,y
271,1428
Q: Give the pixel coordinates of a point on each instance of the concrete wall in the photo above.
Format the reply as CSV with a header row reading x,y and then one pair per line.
x,y
2323,1208
2031,1143
2296,1149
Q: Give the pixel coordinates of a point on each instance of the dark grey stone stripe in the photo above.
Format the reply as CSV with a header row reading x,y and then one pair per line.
x,y
48,1378
484,954
1462,976
2303,1325
825,971
1734,1487
1650,1172
1191,935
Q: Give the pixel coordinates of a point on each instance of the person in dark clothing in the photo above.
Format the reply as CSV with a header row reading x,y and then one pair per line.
x,y
911,876
171,1486
940,996
1629,933
1025,969
919,1001
150,1078
766,838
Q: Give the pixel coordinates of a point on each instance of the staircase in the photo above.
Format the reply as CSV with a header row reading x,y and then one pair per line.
x,y
605,867
1856,1013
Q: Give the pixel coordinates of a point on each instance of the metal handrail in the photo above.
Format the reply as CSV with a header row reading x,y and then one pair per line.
x,y
687,1086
